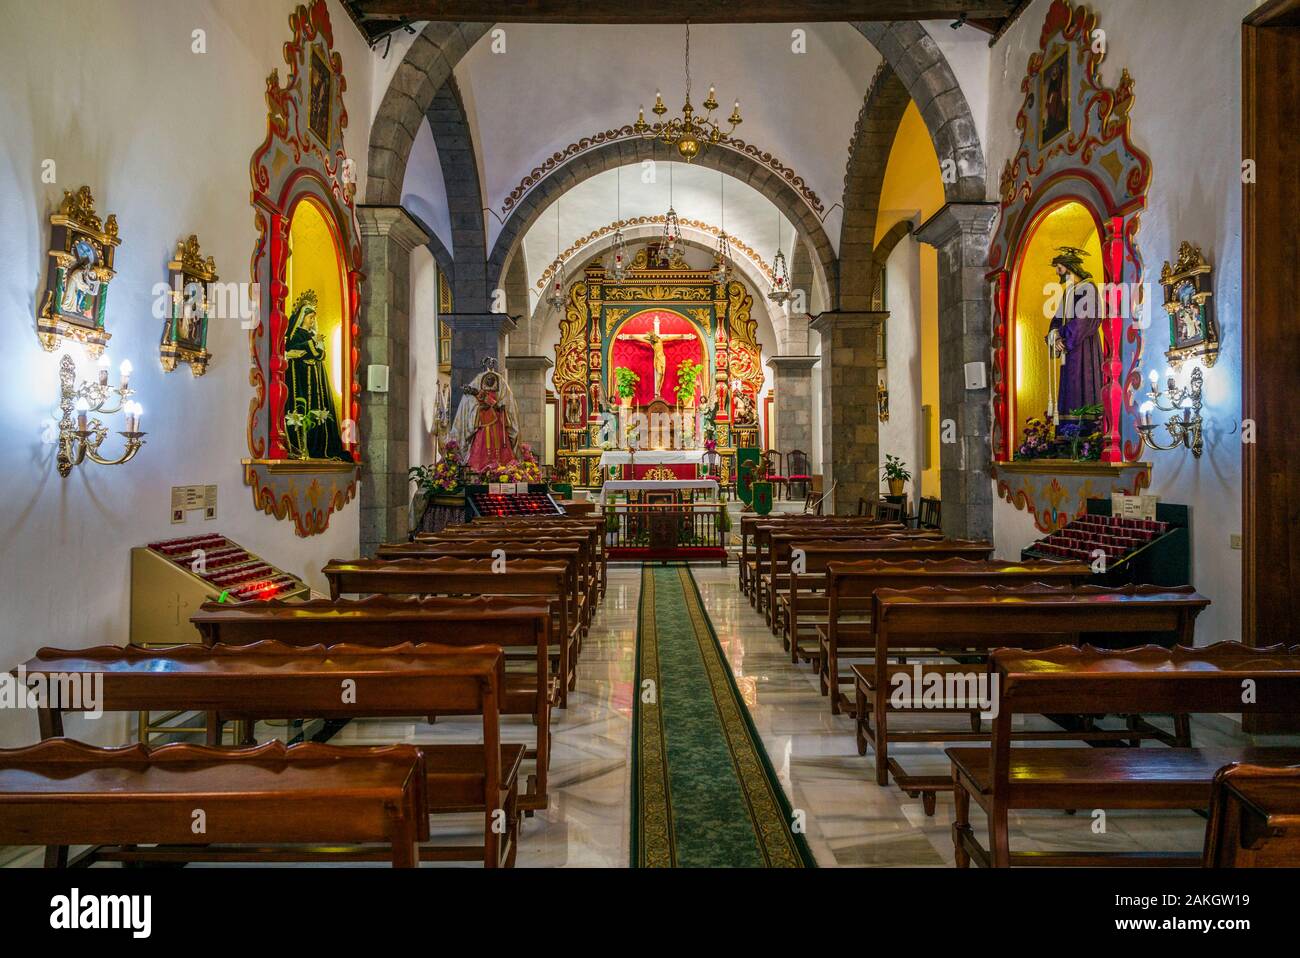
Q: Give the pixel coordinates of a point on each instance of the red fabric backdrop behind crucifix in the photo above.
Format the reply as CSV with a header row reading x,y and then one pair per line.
x,y
638,355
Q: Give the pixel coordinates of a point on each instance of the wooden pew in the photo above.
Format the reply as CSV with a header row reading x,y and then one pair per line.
x,y
513,540
914,543
573,552
1143,679
956,621
381,621
750,521
270,680
766,538
851,586
1254,818
774,583
470,577
591,526
62,793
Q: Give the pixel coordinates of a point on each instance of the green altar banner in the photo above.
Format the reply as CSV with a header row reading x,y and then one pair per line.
x,y
744,477
762,492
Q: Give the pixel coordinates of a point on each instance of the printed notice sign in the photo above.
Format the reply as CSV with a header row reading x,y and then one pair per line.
x,y
187,498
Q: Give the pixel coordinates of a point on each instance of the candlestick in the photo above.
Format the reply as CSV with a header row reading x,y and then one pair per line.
x,y
83,407
103,369
124,371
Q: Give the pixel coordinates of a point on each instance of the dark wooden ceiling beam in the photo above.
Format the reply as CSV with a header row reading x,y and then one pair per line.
x,y
679,11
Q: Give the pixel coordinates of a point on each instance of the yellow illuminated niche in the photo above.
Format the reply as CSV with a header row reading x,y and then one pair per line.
x,y
913,189
314,263
1067,224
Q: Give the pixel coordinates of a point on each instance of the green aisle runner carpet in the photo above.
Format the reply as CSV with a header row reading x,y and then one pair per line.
x,y
703,793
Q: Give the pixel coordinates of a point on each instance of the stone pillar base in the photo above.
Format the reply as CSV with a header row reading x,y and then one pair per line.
x,y
850,414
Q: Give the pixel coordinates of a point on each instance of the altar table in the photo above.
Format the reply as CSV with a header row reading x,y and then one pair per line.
x,y
655,485
653,457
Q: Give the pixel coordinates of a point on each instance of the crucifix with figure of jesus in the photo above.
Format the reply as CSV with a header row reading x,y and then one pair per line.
x,y
655,340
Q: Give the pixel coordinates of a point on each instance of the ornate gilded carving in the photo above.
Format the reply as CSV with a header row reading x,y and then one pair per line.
x,y
1188,286
185,329
641,260
745,356
559,158
78,273
301,159
1075,146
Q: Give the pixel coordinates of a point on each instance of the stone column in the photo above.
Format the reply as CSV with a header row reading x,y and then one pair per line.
x,y
792,379
850,415
474,338
961,232
527,377
388,234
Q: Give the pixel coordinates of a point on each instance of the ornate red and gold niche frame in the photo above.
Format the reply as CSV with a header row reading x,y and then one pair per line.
x,y
1075,148
302,170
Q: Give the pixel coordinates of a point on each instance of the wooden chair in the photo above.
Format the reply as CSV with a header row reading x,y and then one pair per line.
x,y
799,472
1089,680
773,463
889,511
274,680
140,800
813,500
1254,818
928,516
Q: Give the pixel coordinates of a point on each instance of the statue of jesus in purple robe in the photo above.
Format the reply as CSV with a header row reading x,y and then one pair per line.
x,y
1075,335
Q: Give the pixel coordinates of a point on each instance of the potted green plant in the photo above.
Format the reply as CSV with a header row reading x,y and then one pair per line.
x,y
625,381
895,474
688,377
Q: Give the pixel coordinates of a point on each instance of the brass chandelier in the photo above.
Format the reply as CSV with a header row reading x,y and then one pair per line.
x,y
690,134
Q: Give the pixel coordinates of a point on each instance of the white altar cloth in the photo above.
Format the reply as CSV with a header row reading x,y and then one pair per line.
x,y
641,485
652,457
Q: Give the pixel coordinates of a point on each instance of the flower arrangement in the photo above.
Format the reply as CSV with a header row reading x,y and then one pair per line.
x,y
443,476
895,470
625,381
1078,437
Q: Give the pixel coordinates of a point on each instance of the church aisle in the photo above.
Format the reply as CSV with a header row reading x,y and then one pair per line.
x,y
703,792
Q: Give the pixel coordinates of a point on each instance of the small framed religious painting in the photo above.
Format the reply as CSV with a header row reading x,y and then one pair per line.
x,y
322,79
1188,291
1054,98
80,269
191,277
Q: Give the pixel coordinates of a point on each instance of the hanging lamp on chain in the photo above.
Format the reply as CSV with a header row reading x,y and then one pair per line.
x,y
780,291
556,297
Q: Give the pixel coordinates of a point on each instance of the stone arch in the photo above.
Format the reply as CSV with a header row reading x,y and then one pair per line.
x,y
864,177
425,69
923,70
543,314
451,134
627,152
880,256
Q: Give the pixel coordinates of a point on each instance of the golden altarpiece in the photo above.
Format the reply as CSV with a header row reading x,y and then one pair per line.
x,y
707,322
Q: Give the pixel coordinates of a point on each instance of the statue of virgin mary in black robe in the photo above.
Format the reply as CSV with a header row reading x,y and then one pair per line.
x,y
311,422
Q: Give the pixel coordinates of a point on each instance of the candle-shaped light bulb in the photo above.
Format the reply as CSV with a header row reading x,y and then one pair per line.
x,y
1155,378
1169,378
124,370
103,369
1146,411
83,407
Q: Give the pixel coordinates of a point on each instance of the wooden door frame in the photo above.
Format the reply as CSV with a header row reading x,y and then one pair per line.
x,y
1269,234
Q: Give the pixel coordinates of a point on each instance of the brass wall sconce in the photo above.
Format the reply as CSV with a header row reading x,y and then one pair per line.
x,y
1185,429
80,438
